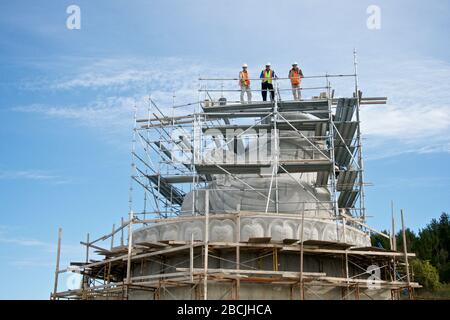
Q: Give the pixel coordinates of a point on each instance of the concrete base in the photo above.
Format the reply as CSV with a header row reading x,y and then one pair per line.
x,y
223,228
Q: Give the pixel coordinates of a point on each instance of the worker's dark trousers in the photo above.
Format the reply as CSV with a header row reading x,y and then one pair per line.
x,y
267,86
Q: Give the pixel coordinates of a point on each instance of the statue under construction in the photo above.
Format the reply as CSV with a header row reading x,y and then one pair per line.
x,y
247,200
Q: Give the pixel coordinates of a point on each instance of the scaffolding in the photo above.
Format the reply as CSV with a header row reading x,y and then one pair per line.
x,y
175,160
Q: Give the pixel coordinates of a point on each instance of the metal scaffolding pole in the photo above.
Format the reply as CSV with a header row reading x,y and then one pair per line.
x,y
177,188
302,289
405,250
206,249
359,140
58,256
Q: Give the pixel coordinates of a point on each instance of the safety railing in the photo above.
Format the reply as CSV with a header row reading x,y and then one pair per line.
x,y
281,86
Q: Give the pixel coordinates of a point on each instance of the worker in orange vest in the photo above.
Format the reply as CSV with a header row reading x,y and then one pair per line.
x,y
244,82
296,75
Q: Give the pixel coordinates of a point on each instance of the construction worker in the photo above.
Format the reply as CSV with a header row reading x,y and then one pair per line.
x,y
267,75
296,75
244,82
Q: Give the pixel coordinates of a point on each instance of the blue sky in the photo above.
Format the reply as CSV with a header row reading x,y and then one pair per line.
x,y
66,101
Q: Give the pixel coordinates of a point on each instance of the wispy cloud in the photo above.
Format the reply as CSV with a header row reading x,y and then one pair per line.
x,y
37,175
417,116
414,182
415,120
42,253
33,263
23,242
10,238
110,112
113,87
126,74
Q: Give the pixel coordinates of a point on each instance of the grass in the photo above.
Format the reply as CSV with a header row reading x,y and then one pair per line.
x,y
442,293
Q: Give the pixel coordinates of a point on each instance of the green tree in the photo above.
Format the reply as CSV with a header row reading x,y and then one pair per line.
x,y
428,244
380,241
444,272
411,240
431,244
425,273
434,245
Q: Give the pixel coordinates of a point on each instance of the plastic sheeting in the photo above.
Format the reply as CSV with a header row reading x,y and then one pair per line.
x,y
250,192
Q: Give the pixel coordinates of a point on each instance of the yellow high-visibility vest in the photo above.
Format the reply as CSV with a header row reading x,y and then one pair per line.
x,y
268,76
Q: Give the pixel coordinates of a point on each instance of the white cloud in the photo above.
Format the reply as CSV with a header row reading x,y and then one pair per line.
x,y
37,175
42,254
414,182
7,237
118,85
33,263
23,242
415,120
112,111
379,148
128,74
410,122
417,116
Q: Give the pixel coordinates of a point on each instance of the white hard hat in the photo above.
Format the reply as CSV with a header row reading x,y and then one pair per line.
x,y
268,64
295,64
244,65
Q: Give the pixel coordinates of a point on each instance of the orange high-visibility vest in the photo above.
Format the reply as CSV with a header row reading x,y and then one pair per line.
x,y
295,77
245,78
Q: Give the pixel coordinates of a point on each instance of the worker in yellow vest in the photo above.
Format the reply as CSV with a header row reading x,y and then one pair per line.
x,y
244,82
296,75
267,75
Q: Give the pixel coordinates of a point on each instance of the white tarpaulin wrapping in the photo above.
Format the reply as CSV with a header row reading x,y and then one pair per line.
x,y
250,192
